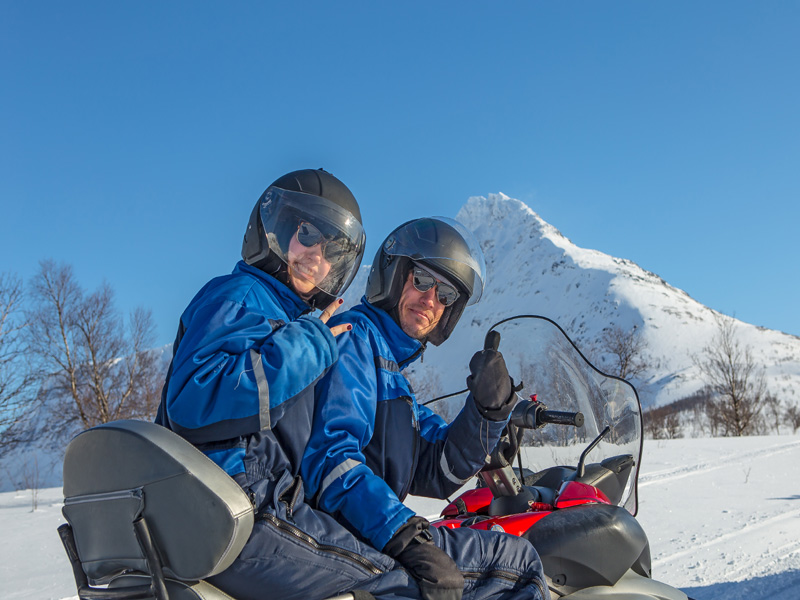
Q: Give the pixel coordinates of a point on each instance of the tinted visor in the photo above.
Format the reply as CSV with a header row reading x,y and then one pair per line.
x,y
333,250
314,220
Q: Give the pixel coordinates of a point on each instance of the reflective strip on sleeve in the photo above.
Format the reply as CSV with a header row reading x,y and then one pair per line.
x,y
448,473
386,364
337,472
263,389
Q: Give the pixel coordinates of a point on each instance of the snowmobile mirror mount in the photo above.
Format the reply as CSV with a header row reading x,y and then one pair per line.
x,y
581,470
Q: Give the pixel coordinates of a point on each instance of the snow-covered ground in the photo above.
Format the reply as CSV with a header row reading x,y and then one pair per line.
x,y
722,515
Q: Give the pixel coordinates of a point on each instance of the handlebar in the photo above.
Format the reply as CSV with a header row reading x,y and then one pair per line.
x,y
557,417
532,415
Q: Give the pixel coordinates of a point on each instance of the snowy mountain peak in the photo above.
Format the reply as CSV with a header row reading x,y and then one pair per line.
x,y
502,208
533,268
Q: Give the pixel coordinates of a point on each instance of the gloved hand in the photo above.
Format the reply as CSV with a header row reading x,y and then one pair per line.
x,y
490,384
436,573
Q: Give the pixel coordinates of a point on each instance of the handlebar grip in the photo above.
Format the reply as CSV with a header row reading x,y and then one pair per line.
x,y
492,340
524,415
532,415
558,417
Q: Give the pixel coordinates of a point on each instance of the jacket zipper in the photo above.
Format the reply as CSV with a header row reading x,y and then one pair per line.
x,y
497,574
414,414
411,358
413,468
307,539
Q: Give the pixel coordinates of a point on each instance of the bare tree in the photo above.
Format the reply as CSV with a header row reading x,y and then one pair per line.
x,y
773,412
735,380
427,388
15,377
655,424
663,423
90,365
30,478
627,349
672,426
793,417
713,412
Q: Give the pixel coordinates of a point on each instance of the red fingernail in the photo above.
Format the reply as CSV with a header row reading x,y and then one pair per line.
x,y
341,301
349,327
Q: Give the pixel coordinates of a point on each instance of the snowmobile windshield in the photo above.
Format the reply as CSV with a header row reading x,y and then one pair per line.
x,y
550,366
541,355
447,247
314,221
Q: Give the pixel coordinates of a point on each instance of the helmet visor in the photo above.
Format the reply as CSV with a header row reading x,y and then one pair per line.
x,y
297,223
448,245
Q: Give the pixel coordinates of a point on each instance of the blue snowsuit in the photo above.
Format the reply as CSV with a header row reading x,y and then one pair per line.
x,y
372,444
240,387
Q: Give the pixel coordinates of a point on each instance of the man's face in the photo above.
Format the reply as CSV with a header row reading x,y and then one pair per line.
x,y
307,267
419,312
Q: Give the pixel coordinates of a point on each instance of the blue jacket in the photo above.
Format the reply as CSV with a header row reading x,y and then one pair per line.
x,y
372,444
245,360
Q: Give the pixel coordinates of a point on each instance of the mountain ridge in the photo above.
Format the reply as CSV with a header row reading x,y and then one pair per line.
x,y
532,264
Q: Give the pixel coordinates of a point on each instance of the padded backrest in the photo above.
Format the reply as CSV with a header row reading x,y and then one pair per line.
x,y
199,517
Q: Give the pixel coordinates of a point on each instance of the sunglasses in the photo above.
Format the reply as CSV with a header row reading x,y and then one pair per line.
x,y
423,281
332,250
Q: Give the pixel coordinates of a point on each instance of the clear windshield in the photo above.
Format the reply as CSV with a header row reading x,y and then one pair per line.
x,y
540,354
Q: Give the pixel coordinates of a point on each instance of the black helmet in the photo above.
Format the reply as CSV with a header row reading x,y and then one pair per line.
x,y
444,246
317,198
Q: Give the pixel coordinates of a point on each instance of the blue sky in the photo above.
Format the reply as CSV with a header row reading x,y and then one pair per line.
x,y
135,137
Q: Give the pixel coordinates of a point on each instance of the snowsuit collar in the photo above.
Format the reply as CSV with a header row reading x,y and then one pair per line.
x,y
405,348
285,296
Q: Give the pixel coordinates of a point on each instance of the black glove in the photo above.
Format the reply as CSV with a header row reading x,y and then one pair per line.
x,y
490,384
436,573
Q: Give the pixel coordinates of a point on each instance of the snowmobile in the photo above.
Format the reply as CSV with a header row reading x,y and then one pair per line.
x,y
151,517
579,515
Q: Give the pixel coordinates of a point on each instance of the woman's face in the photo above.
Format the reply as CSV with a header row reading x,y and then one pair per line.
x,y
307,267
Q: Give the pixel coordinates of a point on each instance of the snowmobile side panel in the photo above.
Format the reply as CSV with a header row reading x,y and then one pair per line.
x,y
574,544
513,524
631,586
574,494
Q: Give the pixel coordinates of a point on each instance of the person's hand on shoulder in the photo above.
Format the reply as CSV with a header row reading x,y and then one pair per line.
x,y
328,313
